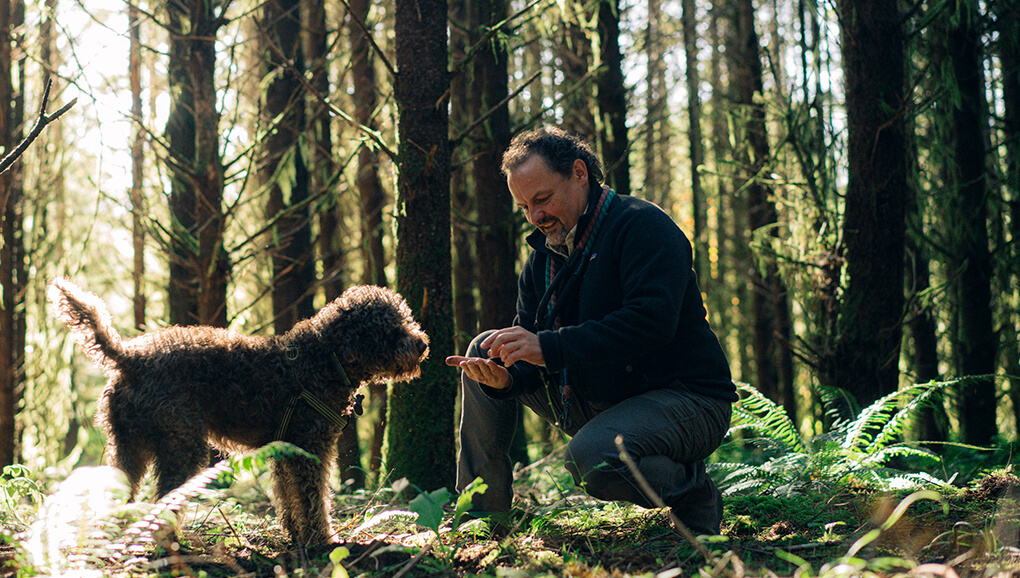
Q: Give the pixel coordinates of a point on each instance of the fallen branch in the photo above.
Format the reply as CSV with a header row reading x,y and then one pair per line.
x,y
40,124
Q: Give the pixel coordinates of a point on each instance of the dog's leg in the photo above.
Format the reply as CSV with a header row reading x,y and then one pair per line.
x,y
303,499
128,448
182,452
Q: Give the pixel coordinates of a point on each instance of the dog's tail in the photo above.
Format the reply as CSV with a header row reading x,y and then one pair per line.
x,y
86,316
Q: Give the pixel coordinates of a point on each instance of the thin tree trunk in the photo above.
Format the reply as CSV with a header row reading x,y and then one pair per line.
x,y
769,307
574,52
424,411
10,194
137,167
462,92
1006,14
314,38
199,265
611,97
689,22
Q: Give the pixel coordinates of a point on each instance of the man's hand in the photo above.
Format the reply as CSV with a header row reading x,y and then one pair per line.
x,y
484,371
514,344
510,345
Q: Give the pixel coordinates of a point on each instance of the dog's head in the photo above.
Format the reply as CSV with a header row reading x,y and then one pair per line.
x,y
373,334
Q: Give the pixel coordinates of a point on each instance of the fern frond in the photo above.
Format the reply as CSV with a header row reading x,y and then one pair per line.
x,y
162,514
902,451
767,417
839,404
882,422
916,397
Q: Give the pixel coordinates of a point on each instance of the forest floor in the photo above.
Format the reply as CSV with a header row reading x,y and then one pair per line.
x,y
971,531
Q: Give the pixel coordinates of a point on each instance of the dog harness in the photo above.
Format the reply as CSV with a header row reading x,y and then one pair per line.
x,y
315,403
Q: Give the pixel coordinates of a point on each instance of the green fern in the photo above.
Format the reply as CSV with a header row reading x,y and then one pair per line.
x,y
854,450
161,517
755,411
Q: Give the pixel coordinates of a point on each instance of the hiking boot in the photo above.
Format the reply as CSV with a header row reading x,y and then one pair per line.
x,y
701,510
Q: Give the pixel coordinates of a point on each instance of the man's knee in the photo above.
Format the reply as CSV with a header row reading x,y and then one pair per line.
x,y
474,348
597,468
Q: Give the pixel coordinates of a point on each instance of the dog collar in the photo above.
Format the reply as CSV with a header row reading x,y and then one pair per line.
x,y
315,403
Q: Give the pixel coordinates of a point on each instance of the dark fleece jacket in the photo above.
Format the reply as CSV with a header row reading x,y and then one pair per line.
x,y
635,321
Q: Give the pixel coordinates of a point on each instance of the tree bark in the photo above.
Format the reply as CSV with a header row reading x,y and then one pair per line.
x,y
199,264
971,267
12,269
611,97
424,411
138,210
770,308
372,197
283,167
689,22
866,356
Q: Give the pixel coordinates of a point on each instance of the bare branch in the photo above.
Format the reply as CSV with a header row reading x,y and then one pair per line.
x,y
40,124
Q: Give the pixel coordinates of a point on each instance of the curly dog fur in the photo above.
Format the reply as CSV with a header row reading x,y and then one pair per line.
x,y
173,391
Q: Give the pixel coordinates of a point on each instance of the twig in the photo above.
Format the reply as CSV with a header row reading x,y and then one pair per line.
x,y
657,500
40,124
372,135
417,558
371,40
493,110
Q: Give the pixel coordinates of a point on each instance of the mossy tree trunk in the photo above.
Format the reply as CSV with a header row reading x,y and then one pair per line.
x,y
420,424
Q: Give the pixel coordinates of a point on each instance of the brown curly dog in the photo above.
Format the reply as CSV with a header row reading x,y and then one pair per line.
x,y
173,391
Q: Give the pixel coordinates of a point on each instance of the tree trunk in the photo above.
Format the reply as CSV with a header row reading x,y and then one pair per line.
x,y
496,241
199,265
574,53
314,36
11,251
611,96
320,162
769,307
462,94
371,196
424,410
283,168
138,210
971,266
370,190
697,148
866,356
1006,14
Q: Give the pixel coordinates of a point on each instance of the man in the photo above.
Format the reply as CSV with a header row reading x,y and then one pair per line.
x,y
611,338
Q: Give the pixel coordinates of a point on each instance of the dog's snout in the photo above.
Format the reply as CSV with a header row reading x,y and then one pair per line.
x,y
422,347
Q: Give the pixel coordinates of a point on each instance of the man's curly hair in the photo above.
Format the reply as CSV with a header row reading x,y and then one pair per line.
x,y
559,149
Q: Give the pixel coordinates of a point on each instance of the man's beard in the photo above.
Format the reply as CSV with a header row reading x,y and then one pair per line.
x,y
557,235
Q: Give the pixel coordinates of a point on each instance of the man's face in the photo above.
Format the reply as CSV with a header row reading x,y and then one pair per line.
x,y
550,201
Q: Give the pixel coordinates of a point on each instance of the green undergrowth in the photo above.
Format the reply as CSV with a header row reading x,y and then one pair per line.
x,y
557,531
857,500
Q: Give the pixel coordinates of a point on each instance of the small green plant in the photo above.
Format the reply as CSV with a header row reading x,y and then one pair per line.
x,y
16,484
854,452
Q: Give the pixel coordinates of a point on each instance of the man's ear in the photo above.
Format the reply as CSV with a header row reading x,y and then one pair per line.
x,y
581,172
